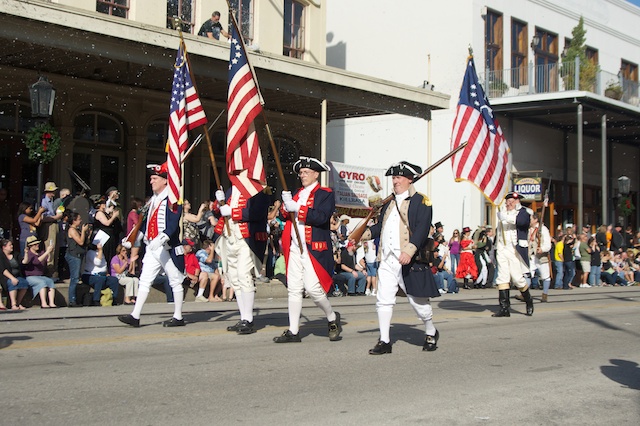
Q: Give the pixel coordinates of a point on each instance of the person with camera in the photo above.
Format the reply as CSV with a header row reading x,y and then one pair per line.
x,y
77,235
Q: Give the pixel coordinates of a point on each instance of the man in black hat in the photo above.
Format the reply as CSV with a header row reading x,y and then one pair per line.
x,y
161,233
439,228
512,253
309,265
403,232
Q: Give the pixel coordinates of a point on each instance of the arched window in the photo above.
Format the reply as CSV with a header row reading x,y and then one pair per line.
x,y
157,134
98,128
15,116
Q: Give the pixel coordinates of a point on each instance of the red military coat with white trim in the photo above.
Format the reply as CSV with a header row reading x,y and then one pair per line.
x,y
251,217
316,217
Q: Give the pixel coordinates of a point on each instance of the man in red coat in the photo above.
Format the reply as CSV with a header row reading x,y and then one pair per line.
x,y
309,262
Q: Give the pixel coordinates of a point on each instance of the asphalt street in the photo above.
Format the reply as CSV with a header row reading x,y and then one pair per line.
x,y
576,361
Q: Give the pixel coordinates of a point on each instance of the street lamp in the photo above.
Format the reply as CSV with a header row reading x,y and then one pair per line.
x,y
624,184
42,96
535,42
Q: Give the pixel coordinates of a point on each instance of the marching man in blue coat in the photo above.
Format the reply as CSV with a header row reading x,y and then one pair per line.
x,y
161,234
309,264
241,243
404,231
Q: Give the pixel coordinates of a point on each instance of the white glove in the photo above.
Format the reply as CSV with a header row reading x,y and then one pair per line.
x,y
158,241
220,196
126,244
225,210
501,216
291,206
286,196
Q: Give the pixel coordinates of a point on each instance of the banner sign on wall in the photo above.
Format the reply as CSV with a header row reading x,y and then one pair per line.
x,y
356,187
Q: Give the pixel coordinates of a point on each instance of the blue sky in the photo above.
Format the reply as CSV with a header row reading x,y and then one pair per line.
x,y
636,2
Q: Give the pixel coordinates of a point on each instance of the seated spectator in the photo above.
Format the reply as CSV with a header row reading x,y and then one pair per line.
x,y
95,274
192,269
622,269
17,285
208,271
609,275
120,268
440,262
34,264
162,281
353,271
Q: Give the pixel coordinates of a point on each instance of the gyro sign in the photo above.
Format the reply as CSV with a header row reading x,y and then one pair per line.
x,y
529,188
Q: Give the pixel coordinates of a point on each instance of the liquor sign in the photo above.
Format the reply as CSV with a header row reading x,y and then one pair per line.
x,y
529,188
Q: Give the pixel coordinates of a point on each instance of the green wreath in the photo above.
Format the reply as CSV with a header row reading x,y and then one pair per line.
x,y
626,206
43,142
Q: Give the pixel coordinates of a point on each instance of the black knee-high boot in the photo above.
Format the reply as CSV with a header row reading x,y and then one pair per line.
x,y
503,299
529,301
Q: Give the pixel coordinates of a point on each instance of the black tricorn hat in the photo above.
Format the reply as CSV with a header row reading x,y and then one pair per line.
x,y
513,195
438,225
310,163
405,169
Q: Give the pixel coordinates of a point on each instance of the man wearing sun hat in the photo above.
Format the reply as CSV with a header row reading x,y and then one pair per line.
x,y
512,253
160,231
49,228
309,263
403,231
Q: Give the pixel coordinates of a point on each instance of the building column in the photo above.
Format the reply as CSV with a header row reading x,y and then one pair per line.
x,y
580,171
603,159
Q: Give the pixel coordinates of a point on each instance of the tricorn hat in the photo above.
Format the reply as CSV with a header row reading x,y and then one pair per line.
x,y
310,163
438,225
513,195
405,169
159,169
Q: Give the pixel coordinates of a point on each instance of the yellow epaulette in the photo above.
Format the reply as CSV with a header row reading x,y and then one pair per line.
x,y
425,200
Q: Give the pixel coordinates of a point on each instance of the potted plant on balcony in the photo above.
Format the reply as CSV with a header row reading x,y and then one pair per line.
x,y
613,90
497,88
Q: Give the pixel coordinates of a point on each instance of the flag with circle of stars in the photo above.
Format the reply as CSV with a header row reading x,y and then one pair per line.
x,y
485,161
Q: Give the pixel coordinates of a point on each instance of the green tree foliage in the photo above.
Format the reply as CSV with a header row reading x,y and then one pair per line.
x,y
578,49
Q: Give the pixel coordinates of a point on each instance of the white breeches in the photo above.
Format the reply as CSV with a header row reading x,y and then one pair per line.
x,y
240,262
389,279
155,261
511,269
542,269
301,276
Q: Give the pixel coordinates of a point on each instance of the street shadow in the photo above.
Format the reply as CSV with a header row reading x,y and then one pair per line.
x,y
412,334
627,373
605,324
7,341
459,305
203,316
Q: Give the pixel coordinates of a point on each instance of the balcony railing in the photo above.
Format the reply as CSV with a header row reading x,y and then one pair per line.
x,y
557,77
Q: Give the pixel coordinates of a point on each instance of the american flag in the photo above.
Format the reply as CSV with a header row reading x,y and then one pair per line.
x,y
244,159
485,161
185,113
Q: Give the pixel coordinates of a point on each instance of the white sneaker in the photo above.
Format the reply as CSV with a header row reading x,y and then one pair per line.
x,y
201,299
441,291
373,293
367,292
587,286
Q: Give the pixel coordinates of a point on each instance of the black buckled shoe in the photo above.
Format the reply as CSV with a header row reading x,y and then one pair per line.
x,y
246,327
128,319
380,348
74,304
287,337
173,322
335,328
235,327
431,342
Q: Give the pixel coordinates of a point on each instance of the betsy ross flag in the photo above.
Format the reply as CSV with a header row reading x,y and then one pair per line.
x,y
185,113
244,159
485,160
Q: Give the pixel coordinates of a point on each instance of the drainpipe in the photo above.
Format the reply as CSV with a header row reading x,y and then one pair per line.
x,y
580,171
603,159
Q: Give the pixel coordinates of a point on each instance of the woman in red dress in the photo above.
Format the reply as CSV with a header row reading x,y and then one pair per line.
x,y
467,268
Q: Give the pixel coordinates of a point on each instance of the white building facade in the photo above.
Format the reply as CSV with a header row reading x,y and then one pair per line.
x,y
423,44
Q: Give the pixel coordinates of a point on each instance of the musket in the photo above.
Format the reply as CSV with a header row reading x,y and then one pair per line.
x,y
356,234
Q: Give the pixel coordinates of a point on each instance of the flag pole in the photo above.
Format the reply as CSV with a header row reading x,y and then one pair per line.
x,y
176,23
272,143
